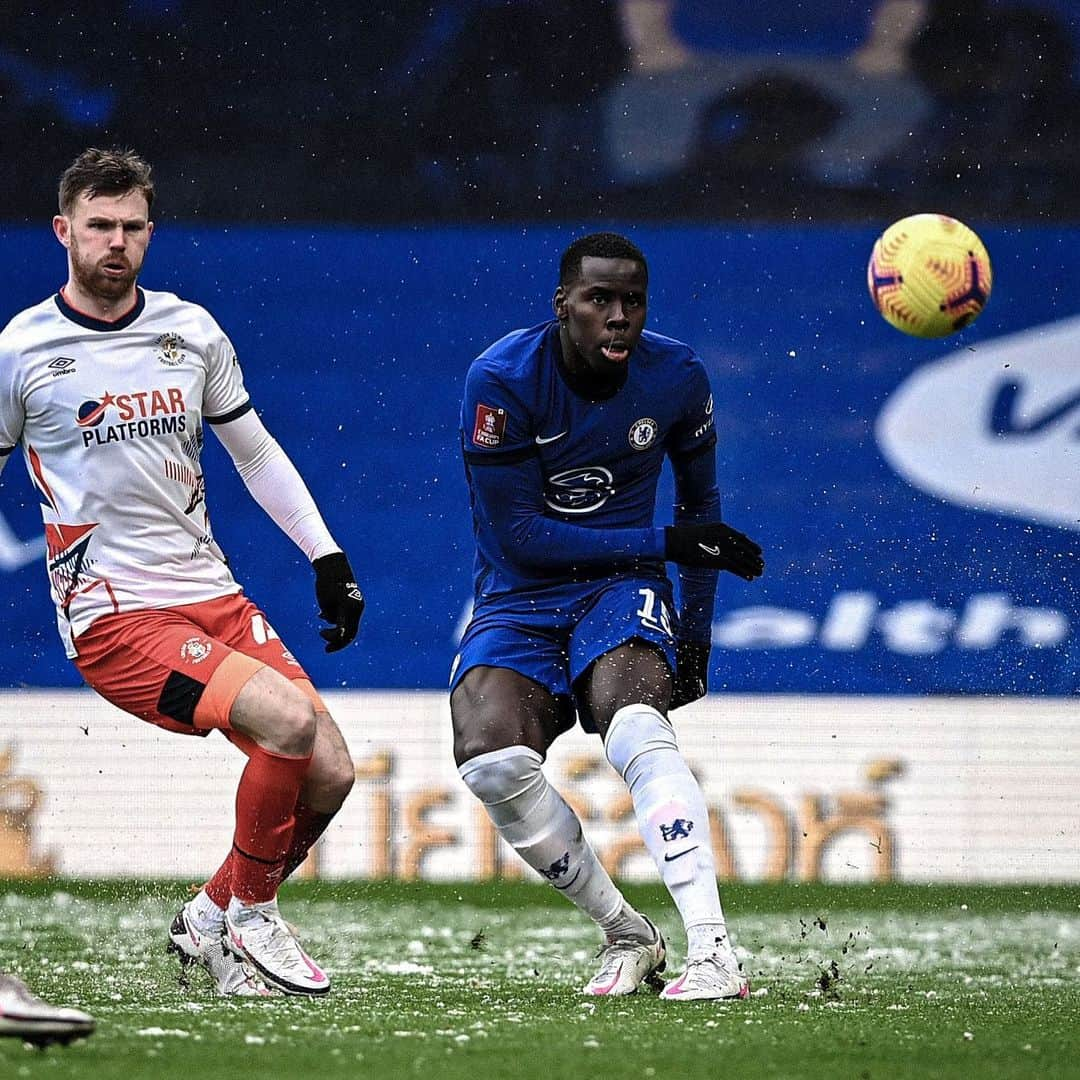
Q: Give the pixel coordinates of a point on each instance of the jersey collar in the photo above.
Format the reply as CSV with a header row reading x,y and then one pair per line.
x,y
586,385
90,323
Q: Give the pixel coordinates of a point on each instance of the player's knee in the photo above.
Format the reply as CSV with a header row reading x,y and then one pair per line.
x,y
275,713
292,729
329,778
501,775
477,735
634,674
341,775
636,730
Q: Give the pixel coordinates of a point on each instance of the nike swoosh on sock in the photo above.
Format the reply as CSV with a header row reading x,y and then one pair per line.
x,y
672,858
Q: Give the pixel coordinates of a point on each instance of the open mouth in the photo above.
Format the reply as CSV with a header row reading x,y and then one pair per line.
x,y
616,351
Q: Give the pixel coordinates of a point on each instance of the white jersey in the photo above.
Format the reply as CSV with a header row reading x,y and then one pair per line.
x,y
110,419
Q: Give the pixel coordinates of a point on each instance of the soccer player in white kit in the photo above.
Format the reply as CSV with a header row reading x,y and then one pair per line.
x,y
106,387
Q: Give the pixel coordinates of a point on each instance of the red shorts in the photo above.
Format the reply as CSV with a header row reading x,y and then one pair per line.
x,y
181,668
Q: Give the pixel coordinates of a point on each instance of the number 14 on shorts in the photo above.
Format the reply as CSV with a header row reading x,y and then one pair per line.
x,y
654,613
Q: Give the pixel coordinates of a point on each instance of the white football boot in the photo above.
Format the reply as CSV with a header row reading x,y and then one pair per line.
x,y
27,1017
625,965
709,978
257,933
232,977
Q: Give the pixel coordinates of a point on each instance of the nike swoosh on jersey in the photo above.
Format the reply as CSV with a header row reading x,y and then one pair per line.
x,y
543,440
672,858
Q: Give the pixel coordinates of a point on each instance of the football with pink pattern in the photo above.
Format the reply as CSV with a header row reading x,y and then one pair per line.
x,y
929,275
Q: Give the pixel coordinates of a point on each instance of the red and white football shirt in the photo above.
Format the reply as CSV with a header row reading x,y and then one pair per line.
x,y
110,420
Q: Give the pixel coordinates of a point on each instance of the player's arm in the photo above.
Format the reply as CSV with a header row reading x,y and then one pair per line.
x,y
507,485
276,485
12,413
698,537
697,525
507,495
697,501
508,501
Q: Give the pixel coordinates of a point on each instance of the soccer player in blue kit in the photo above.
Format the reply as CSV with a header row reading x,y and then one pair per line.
x,y
565,427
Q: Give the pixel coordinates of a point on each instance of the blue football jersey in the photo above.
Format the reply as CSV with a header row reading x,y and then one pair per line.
x,y
563,487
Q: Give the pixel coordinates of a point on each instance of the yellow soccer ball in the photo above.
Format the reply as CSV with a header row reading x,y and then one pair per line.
x,y
929,275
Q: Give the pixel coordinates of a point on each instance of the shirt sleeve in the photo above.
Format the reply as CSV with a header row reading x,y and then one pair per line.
x,y
692,450
12,410
508,485
275,484
224,396
696,429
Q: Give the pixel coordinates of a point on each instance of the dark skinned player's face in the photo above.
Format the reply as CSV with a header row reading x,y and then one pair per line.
x,y
601,314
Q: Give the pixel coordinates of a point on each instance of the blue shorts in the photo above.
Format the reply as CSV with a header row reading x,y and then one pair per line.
x,y
552,635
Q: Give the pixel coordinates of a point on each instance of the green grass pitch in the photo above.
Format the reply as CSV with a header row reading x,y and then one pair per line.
x,y
477,981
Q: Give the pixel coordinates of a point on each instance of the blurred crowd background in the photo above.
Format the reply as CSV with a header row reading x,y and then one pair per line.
x,y
366,195
553,110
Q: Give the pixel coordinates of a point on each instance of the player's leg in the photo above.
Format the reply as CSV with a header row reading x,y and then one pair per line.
x,y
278,721
625,693
503,726
157,665
273,722
298,774
326,785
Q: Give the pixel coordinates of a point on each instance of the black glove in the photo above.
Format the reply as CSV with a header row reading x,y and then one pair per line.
x,y
691,672
340,600
713,546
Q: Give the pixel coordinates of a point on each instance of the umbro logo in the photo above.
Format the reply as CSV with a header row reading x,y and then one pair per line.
x,y
62,365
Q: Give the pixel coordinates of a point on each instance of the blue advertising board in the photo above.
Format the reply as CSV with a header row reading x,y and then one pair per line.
x,y
918,502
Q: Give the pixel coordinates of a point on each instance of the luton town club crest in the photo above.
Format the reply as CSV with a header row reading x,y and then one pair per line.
x,y
196,650
170,349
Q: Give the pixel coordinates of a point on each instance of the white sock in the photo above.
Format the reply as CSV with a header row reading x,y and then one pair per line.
x,y
205,914
707,939
672,818
241,913
532,817
626,924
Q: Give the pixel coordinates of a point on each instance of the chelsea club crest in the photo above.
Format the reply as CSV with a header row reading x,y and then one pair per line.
x,y
642,433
